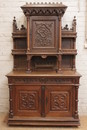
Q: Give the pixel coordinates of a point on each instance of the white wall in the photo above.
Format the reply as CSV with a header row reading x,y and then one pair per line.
x,y
9,9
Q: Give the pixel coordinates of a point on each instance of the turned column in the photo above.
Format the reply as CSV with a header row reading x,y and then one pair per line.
x,y
28,34
28,46
74,46
76,101
59,45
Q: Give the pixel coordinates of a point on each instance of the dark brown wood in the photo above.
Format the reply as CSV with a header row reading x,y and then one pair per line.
x,y
28,35
47,93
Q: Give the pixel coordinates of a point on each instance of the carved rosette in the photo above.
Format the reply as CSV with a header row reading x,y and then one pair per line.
x,y
27,101
59,101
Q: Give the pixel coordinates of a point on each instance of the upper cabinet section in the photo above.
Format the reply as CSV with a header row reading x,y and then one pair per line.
x,y
44,39
53,9
44,27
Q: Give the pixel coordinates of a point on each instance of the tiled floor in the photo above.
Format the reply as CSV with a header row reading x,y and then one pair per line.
x,y
4,126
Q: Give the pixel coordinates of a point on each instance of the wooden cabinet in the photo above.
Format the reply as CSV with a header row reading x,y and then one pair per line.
x,y
43,99
43,86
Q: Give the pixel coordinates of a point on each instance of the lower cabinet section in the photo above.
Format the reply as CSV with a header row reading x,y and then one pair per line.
x,y
43,101
43,105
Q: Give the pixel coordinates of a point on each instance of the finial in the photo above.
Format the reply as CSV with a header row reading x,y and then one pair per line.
x,y
74,17
22,27
61,3
37,2
74,24
14,19
53,3
45,2
57,3
49,2
34,3
15,28
66,27
26,3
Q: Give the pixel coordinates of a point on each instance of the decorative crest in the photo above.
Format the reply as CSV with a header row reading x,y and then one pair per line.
x,y
44,9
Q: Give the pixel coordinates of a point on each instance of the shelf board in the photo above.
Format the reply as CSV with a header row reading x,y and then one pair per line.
x,y
18,51
19,34
62,52
65,34
68,51
68,34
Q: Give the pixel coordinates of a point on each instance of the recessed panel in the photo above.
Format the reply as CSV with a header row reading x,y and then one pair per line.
x,y
44,32
27,100
59,101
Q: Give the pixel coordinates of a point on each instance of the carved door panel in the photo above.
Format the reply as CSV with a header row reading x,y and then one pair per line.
x,y
58,101
27,101
44,33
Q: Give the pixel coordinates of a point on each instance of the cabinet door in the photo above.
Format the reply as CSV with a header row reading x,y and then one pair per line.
x,y
27,100
58,101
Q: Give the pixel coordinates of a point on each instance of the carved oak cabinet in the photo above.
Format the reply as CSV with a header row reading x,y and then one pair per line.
x,y
43,86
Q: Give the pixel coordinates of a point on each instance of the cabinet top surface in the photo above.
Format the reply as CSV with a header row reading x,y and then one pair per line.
x,y
50,74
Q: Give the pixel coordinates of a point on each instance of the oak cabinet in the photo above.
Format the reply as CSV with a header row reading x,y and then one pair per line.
x,y
40,100
43,86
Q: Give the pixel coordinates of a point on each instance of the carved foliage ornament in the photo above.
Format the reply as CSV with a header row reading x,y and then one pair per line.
x,y
27,101
43,34
59,101
44,80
